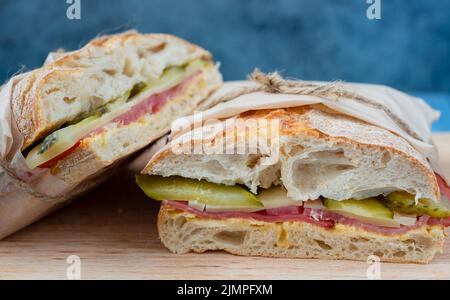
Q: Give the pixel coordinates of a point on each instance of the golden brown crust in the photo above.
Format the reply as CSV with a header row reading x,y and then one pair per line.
x,y
111,41
26,102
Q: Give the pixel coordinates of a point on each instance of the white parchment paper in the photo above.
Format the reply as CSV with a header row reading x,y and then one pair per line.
x,y
414,112
26,195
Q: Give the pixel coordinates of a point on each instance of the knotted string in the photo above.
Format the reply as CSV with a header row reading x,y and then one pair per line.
x,y
274,83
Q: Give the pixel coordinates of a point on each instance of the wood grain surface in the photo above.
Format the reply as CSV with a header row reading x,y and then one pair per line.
x,y
113,232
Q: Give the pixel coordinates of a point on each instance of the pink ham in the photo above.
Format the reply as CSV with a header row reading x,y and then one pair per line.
x,y
323,218
151,105
287,210
259,215
443,222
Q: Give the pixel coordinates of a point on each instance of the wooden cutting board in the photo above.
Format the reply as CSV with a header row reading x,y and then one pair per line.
x,y
113,232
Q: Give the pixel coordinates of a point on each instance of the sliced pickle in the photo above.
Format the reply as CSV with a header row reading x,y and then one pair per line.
x,y
405,203
217,197
368,210
173,75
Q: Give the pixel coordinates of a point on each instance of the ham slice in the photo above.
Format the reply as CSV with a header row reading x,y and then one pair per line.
x,y
150,105
154,102
280,211
262,215
443,222
319,217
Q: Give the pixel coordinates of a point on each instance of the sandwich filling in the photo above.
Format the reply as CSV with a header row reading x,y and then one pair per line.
x,y
142,99
394,213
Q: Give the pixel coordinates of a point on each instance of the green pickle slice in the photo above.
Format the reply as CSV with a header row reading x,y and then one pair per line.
x,y
199,191
404,202
368,210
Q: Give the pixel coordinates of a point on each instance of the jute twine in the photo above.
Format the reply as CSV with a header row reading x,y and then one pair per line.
x,y
19,182
336,90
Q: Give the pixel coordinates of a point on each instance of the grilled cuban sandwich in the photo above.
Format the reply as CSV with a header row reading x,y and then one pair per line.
x,y
92,107
341,189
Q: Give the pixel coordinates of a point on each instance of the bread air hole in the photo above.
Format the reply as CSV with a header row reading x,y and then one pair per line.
x,y
234,238
318,168
379,253
400,254
214,167
157,48
69,100
253,160
52,90
359,239
294,150
180,221
97,77
323,245
110,72
352,247
128,68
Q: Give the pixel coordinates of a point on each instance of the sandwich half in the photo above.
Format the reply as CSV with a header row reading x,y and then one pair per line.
x,y
341,189
92,107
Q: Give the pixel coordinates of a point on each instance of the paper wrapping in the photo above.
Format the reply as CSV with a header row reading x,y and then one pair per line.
x,y
27,195
414,112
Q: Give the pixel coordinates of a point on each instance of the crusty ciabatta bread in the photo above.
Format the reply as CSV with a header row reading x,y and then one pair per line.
x,y
321,154
81,81
183,232
104,148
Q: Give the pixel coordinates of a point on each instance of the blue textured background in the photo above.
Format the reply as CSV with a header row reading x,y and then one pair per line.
x,y
409,48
